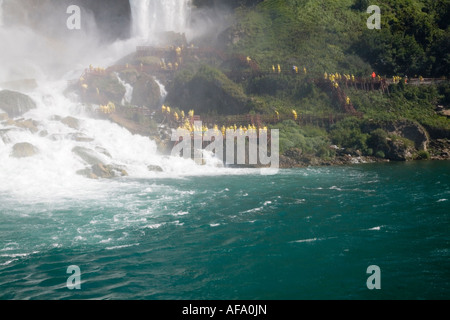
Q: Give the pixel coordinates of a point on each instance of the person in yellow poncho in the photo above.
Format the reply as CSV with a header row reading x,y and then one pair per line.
x,y
111,107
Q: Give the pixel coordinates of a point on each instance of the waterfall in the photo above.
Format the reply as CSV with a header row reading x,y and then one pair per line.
x,y
151,17
128,97
162,90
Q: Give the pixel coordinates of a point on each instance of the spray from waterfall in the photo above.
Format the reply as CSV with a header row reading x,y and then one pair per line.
x,y
1,13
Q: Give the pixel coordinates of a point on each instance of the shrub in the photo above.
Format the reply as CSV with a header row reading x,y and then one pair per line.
x,y
422,155
348,134
309,139
378,140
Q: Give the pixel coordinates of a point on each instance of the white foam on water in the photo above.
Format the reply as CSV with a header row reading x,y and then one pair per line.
x,y
123,246
306,240
312,240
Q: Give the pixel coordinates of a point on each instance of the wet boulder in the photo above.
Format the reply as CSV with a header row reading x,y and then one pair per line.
x,y
24,150
71,122
15,104
155,168
88,155
108,171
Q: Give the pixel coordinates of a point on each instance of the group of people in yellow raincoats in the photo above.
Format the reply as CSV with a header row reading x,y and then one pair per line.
x,y
333,77
295,69
108,108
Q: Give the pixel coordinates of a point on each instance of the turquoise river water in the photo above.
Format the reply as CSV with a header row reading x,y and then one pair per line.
x,y
301,234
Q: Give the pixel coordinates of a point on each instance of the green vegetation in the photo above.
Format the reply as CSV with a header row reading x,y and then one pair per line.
x,y
207,90
240,75
422,155
311,140
332,36
348,134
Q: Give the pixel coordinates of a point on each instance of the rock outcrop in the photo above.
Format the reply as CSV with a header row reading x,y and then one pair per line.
x,y
15,104
88,155
146,92
102,171
71,122
399,150
402,128
155,168
24,150
97,169
30,125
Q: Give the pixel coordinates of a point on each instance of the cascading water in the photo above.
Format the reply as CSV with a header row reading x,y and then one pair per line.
x,y
153,17
55,168
162,90
128,97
